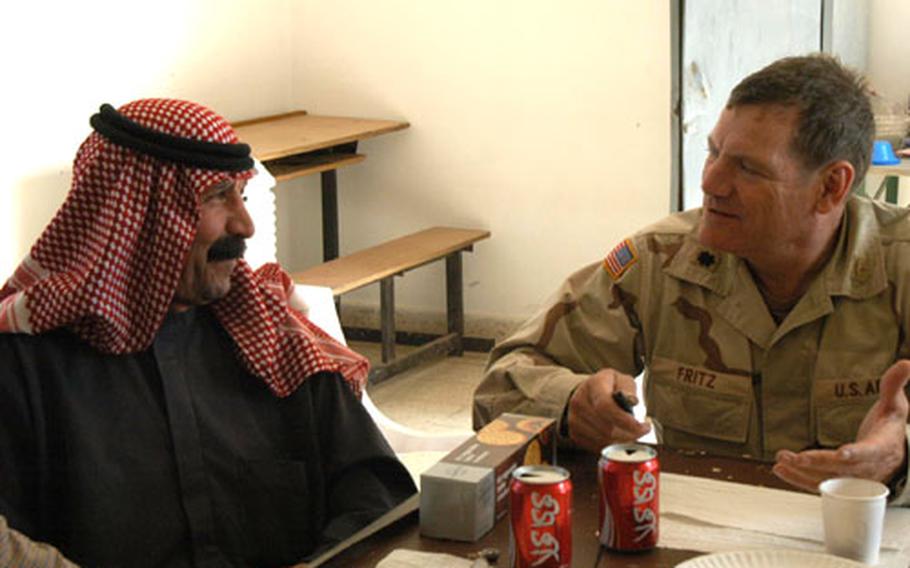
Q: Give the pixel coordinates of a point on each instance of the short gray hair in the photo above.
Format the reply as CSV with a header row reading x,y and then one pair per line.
x,y
835,115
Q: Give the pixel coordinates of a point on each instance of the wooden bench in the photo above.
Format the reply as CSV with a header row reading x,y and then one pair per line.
x,y
381,264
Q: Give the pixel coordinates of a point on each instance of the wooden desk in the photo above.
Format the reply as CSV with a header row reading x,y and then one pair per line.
x,y
299,144
585,548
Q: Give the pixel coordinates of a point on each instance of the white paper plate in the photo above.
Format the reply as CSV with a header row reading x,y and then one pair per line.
x,y
769,559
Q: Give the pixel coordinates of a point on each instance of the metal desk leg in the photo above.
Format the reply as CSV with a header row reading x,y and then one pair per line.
x,y
387,317
889,188
455,301
329,180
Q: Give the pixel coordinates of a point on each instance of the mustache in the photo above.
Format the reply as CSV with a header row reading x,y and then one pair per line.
x,y
227,248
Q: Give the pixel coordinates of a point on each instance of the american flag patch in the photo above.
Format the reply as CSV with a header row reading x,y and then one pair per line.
x,y
620,259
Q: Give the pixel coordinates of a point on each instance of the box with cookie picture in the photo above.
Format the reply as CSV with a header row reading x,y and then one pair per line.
x,y
463,495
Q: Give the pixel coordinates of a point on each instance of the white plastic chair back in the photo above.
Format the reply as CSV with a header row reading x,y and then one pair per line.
x,y
319,305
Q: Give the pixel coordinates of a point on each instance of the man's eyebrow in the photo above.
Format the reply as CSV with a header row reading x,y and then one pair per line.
x,y
219,187
752,160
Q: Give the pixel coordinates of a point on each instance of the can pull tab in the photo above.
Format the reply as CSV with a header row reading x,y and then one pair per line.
x,y
531,475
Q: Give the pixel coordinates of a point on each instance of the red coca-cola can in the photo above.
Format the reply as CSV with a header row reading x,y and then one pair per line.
x,y
628,478
540,507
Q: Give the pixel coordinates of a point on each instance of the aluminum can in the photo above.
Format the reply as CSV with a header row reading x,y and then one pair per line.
x,y
540,511
628,476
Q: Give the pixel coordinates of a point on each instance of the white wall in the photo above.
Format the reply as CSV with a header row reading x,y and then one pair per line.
x,y
888,65
850,32
546,122
62,60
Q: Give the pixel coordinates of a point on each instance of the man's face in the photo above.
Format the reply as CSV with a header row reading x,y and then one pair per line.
x,y
758,197
224,223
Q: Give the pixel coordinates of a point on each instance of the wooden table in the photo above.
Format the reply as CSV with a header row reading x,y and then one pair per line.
x,y
585,549
299,144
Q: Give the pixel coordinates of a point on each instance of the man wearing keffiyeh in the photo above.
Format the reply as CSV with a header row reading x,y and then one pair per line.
x,y
161,404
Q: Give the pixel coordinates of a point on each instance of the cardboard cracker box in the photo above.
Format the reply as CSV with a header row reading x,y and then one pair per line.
x,y
463,495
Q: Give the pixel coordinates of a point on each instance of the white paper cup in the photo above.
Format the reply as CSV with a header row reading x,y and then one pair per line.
x,y
853,511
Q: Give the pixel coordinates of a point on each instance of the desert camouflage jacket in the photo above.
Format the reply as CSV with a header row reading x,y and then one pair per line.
x,y
719,373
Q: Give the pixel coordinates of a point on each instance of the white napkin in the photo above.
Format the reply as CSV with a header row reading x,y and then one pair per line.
x,y
713,516
403,558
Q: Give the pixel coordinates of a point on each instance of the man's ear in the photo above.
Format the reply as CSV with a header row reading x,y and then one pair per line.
x,y
836,182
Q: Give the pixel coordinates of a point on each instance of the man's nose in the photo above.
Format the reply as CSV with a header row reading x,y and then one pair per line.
x,y
715,178
240,222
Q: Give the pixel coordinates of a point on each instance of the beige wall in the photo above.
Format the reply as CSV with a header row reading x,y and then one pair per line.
x,y
63,59
546,122
888,66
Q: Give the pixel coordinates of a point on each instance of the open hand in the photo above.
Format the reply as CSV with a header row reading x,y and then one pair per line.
x,y
595,420
878,452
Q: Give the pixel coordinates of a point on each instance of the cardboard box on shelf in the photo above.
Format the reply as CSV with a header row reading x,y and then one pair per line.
x,y
463,495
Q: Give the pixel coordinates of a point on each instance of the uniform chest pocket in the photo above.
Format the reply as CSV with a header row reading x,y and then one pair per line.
x,y
840,406
700,401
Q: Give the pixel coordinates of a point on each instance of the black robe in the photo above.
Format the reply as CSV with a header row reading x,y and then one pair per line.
x,y
177,456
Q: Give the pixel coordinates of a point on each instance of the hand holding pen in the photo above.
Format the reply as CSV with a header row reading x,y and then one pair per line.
x,y
600,414
623,402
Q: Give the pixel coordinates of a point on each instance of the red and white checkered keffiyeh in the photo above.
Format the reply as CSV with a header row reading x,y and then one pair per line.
x,y
108,264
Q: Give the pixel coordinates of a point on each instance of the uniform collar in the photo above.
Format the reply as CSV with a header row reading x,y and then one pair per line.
x,y
704,266
727,276
857,267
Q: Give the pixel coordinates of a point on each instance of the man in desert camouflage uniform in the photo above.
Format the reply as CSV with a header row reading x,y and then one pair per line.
x,y
770,322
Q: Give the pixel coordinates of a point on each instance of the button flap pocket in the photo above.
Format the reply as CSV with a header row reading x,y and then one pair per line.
x,y
841,406
700,401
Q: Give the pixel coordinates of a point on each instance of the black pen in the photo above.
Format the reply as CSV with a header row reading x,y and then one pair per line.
x,y
622,401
